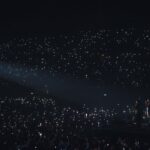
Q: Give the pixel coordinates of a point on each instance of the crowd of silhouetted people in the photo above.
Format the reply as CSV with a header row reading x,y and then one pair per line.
x,y
41,123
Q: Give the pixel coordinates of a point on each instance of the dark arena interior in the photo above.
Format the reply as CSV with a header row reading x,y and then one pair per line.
x,y
74,76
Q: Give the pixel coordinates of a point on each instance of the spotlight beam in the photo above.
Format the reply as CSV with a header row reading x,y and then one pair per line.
x,y
60,86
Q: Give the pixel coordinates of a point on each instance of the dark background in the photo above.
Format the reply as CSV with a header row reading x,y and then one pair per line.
x,y
54,16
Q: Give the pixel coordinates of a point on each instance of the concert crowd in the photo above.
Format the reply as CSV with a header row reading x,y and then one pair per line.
x,y
110,58
87,55
41,123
